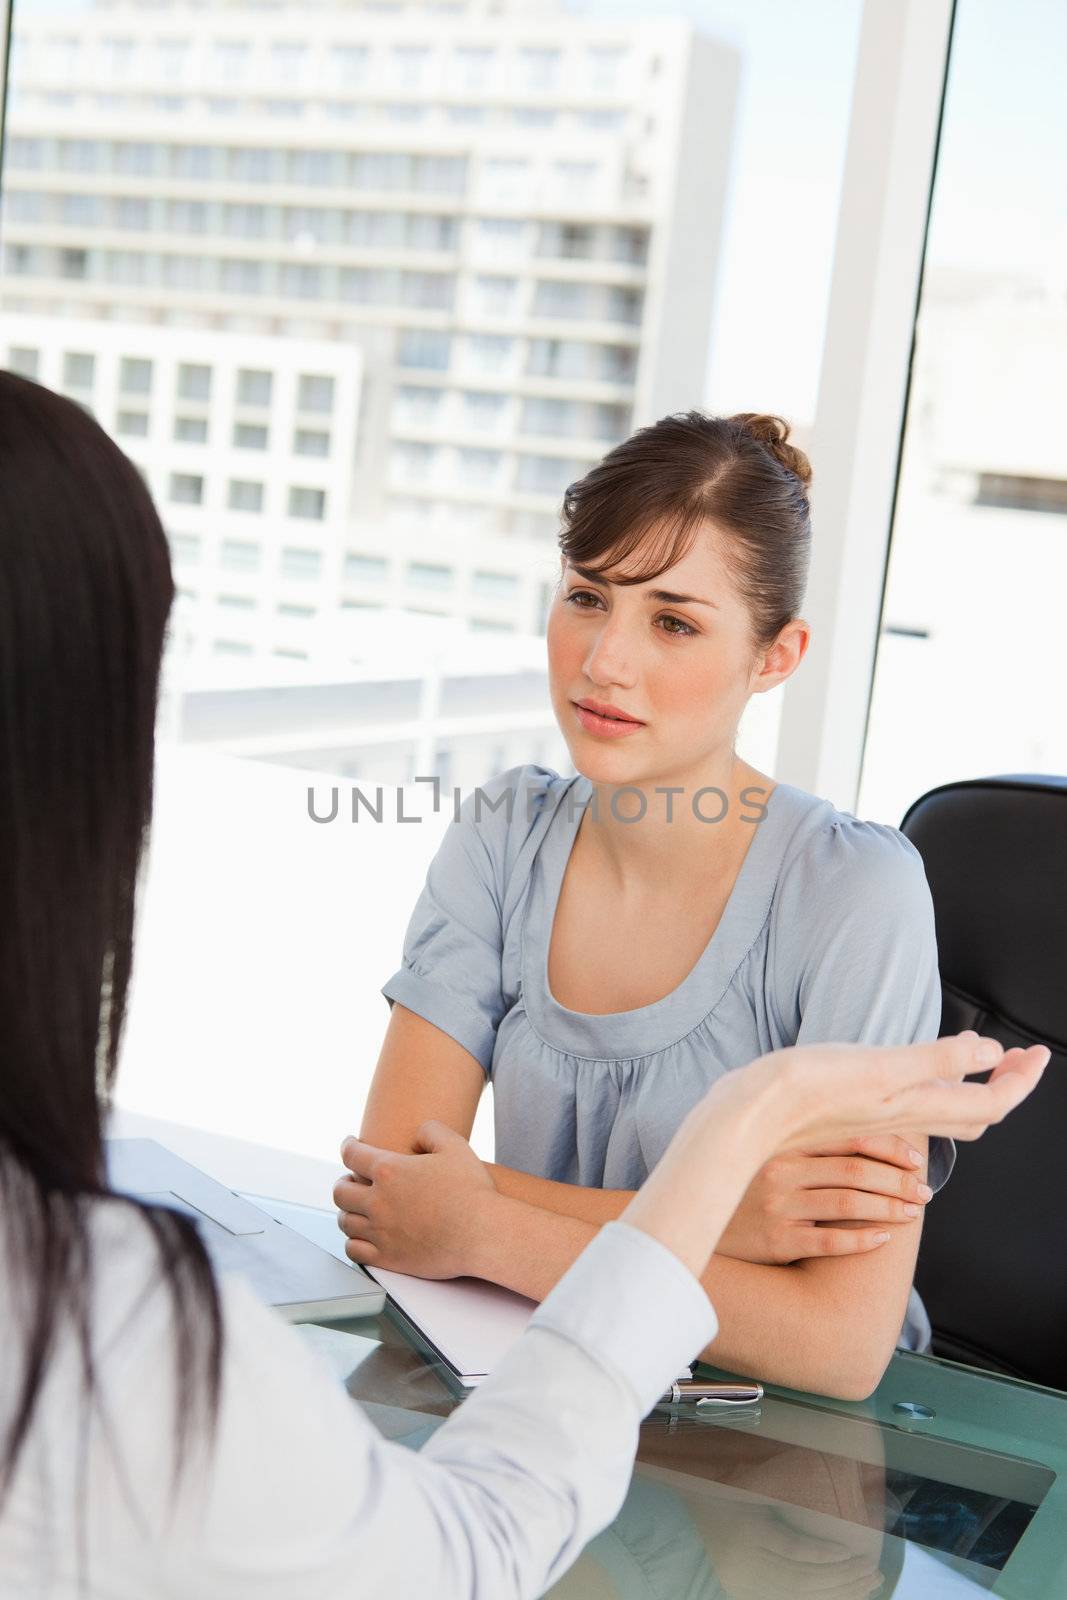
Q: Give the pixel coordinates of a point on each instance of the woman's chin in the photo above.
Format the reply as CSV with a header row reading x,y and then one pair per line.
x,y
602,765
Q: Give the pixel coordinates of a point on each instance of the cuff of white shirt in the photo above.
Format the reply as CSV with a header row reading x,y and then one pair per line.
x,y
633,1304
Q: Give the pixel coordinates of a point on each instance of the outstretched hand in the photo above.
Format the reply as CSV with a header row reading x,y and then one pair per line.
x,y
914,1089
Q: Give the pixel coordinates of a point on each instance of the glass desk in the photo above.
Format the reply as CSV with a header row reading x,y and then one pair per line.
x,y
947,1482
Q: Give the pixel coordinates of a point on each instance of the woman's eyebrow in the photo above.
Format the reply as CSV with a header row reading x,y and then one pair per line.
x,y
662,595
679,599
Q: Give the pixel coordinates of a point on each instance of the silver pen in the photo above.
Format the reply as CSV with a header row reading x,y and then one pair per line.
x,y
712,1394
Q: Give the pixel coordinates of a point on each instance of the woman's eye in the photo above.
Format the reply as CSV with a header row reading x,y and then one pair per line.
x,y
580,594
683,629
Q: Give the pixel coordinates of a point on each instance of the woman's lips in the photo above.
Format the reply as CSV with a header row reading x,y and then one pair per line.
x,y
607,726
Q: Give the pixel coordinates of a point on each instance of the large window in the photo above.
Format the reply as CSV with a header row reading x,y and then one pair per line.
x,y
969,678
359,320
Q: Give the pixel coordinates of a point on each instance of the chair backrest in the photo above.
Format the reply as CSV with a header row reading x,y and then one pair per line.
x,y
993,1259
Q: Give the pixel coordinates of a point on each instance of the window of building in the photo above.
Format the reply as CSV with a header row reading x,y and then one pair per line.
x,y
547,474
194,381
297,562
288,60
602,65
539,68
307,502
185,546
506,177
488,352
132,423
304,613
78,370
413,460
23,360
231,58
347,65
132,212
190,430
187,488
543,415
236,602
480,466
484,410
187,216
501,236
429,291
244,495
501,585
315,392
424,348
240,555
495,295
249,436
73,263
232,647
366,569
311,442
472,66
252,165
303,280
254,387
429,575
562,300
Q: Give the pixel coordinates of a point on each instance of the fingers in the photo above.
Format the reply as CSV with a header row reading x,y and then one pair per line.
x,y
964,1110
432,1136
361,1252
887,1147
352,1194
857,1173
832,1205
814,1242
358,1157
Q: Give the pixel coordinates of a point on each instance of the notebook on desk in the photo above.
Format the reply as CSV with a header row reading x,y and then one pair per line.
x,y
465,1324
462,1322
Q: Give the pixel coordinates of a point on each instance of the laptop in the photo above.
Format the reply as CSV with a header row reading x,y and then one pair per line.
x,y
301,1281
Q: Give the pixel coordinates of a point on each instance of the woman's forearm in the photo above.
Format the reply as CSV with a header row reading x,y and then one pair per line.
x,y
828,1327
565,1199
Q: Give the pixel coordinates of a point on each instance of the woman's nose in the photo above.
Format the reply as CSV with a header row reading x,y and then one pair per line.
x,y
611,657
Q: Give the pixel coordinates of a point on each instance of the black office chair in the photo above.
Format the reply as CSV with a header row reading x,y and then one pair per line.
x,y
993,1259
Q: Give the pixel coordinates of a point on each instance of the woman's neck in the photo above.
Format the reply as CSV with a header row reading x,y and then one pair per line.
x,y
696,830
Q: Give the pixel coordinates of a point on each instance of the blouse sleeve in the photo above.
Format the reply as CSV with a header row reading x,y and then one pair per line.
x,y
299,1498
450,971
855,946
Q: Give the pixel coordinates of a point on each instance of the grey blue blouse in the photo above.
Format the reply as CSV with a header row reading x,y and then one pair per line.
x,y
828,935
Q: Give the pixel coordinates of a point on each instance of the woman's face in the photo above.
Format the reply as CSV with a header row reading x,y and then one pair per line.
x,y
684,667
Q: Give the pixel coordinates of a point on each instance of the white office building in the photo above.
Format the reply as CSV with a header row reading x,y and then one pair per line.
x,y
398,275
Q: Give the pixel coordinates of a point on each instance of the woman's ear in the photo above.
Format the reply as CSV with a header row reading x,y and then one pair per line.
x,y
783,657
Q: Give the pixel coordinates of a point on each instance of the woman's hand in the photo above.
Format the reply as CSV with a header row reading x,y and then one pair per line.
x,y
808,1097
788,1211
833,1089
414,1213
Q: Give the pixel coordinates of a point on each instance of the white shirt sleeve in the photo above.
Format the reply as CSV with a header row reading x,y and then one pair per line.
x,y
301,1499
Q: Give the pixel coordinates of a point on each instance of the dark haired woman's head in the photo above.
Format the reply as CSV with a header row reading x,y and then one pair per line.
x,y
711,508
85,592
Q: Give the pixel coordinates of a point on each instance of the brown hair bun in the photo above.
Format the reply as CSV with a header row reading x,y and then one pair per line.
x,y
773,434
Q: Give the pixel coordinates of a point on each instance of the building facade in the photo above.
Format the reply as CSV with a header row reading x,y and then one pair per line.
x,y
425,263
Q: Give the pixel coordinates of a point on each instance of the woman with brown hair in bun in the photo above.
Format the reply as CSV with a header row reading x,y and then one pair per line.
x,y
603,948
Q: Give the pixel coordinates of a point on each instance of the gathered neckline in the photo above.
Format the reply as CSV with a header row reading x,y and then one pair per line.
x,y
646,1029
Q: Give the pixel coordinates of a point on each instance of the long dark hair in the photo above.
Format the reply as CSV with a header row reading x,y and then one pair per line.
x,y
740,473
85,592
